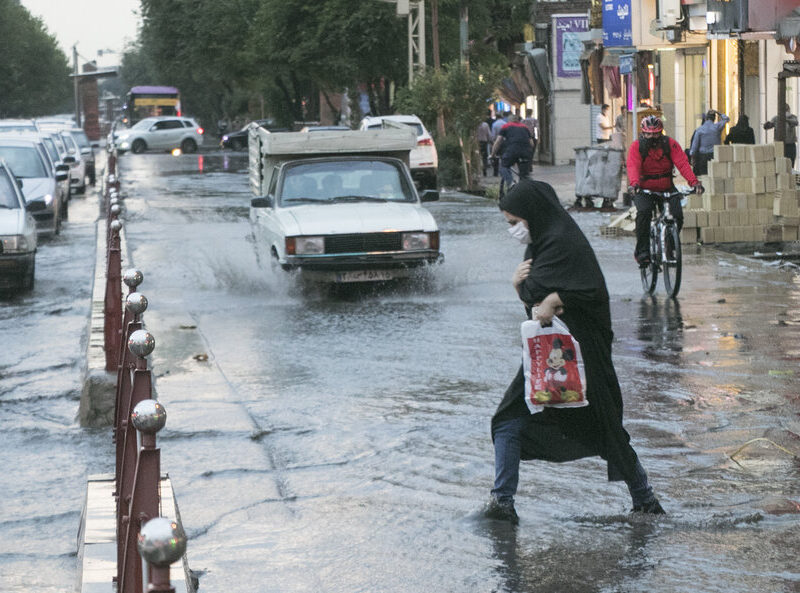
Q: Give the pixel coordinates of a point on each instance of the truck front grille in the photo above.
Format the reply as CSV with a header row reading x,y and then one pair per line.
x,y
363,243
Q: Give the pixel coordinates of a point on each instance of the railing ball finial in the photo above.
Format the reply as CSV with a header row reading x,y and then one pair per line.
x,y
136,303
112,179
161,541
149,416
116,225
141,343
115,209
132,278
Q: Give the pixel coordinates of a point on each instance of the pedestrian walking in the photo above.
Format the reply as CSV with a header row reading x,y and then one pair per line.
x,y
560,276
706,137
514,145
789,135
533,127
651,160
498,124
603,126
741,133
484,136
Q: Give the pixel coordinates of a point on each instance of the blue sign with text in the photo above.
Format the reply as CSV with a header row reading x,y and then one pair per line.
x,y
617,23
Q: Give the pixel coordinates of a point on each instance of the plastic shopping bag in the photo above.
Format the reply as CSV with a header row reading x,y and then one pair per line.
x,y
553,367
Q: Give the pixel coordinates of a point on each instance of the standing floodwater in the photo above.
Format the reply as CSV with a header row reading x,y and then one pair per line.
x,y
338,441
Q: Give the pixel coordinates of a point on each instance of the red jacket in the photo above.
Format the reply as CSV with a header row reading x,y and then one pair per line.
x,y
658,165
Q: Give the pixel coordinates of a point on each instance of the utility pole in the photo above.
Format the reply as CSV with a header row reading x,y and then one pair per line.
x,y
437,64
416,39
75,84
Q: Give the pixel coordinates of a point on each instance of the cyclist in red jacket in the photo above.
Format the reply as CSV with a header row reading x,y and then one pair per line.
x,y
650,162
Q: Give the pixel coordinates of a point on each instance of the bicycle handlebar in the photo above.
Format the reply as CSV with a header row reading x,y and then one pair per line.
x,y
667,194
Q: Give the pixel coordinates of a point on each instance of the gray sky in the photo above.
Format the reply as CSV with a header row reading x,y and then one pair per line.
x,y
92,24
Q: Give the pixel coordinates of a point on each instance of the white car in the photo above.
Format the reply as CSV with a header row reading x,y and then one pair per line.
x,y
17,233
424,160
39,182
166,132
353,217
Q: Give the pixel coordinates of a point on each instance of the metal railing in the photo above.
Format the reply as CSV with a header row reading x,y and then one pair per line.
x,y
141,532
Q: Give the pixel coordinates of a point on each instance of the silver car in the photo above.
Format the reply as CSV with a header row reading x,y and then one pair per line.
x,y
17,233
160,133
39,184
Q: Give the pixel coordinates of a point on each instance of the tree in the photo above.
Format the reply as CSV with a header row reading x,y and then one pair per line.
x,y
462,96
34,72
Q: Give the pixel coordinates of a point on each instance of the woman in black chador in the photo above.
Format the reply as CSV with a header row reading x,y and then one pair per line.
x,y
560,276
741,133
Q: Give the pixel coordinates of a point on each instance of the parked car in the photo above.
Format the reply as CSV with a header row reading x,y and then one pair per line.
x,y
160,133
424,160
340,206
238,140
39,184
17,125
17,233
87,153
77,170
58,159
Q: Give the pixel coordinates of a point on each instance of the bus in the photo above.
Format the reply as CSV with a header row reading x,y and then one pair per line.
x,y
147,101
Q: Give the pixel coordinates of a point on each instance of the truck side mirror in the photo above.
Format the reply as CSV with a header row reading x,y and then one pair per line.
x,y
430,195
261,202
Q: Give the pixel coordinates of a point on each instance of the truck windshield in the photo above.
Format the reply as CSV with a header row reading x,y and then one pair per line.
x,y
342,181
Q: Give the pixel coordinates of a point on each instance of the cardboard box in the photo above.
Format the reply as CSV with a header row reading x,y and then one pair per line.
x,y
723,152
719,169
788,233
713,218
708,235
756,185
770,167
788,220
689,234
743,152
702,218
770,183
750,200
713,202
735,201
771,233
765,216
695,202
768,152
785,206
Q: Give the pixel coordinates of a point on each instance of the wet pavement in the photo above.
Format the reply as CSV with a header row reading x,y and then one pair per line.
x,y
339,441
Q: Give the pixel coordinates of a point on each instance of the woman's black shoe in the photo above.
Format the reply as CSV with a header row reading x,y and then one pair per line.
x,y
653,508
501,511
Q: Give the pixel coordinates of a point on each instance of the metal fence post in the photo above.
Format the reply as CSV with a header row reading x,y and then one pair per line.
x,y
113,298
161,542
148,417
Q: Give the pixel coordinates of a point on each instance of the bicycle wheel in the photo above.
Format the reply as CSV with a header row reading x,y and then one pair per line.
x,y
672,260
650,272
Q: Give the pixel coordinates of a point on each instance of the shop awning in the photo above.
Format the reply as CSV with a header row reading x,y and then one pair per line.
x,y
530,75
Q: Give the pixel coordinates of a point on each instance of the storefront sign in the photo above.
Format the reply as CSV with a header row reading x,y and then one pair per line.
x,y
626,63
568,43
617,23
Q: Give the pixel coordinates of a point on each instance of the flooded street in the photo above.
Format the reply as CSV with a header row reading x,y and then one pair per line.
x,y
338,441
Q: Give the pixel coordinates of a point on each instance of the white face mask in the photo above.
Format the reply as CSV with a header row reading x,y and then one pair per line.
x,y
520,232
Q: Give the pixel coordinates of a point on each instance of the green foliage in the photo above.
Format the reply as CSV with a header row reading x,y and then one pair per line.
x,y
462,96
291,55
451,168
34,72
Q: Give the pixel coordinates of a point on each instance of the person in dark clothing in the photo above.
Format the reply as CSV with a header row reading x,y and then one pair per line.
x,y
650,161
741,133
515,145
560,276
789,135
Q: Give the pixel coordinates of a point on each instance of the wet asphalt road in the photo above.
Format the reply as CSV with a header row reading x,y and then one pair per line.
x,y
339,441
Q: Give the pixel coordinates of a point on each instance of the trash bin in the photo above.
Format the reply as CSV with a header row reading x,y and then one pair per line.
x,y
598,174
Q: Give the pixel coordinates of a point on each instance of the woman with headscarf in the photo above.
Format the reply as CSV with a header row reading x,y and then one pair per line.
x,y
741,133
560,276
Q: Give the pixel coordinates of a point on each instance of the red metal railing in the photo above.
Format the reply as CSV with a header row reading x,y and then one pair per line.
x,y
137,419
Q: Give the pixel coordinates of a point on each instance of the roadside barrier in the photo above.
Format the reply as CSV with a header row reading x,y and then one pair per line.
x,y
140,532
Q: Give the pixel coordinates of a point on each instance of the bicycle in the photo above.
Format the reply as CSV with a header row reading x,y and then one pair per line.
x,y
665,245
515,175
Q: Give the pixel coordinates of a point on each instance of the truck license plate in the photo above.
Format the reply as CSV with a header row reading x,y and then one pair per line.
x,y
364,276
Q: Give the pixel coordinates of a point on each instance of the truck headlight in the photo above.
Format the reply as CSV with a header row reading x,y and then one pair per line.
x,y
14,243
305,245
416,241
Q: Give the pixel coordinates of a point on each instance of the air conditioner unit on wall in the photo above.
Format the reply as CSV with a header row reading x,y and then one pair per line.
x,y
669,13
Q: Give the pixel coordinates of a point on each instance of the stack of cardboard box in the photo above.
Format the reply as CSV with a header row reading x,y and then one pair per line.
x,y
751,196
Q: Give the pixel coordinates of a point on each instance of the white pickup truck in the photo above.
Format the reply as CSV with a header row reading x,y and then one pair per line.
x,y
340,206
